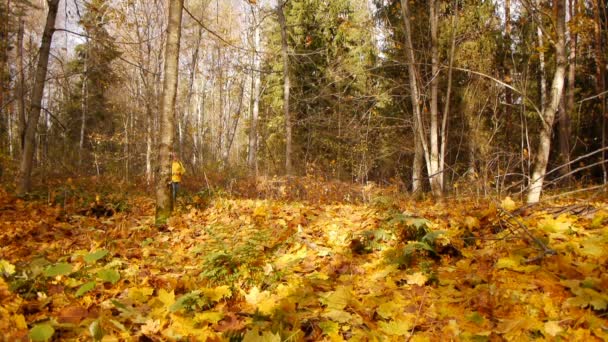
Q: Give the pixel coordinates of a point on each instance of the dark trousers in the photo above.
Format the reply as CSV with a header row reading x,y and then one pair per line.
x,y
174,188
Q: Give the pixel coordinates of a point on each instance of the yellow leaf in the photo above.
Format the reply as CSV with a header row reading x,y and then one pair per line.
x,y
329,327
19,322
183,327
151,327
593,247
514,263
286,260
208,317
338,299
260,211
255,336
508,204
396,328
6,267
140,294
559,225
552,328
253,296
471,222
417,278
389,309
339,316
263,301
218,293
509,263
167,298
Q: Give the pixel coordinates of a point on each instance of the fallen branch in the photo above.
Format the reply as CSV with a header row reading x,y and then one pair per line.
x,y
545,250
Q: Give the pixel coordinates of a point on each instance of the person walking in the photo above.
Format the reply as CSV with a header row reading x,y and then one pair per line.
x,y
177,170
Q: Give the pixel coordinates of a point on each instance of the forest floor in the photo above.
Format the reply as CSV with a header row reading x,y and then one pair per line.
x,y
386,269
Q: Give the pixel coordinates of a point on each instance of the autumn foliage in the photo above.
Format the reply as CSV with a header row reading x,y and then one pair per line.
x,y
354,264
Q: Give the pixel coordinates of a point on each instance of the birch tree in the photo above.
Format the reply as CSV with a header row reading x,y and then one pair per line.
x,y
430,153
541,160
164,201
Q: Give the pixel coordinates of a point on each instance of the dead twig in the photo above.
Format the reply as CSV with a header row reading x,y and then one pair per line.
x,y
545,250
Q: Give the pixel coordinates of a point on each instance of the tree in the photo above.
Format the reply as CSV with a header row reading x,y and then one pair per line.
x,y
430,147
27,157
164,201
252,154
286,87
541,160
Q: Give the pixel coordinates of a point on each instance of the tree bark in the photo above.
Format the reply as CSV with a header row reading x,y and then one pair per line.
x,y
600,76
5,79
419,140
286,89
253,127
446,108
27,157
83,105
164,201
541,61
570,104
508,78
544,144
434,173
21,83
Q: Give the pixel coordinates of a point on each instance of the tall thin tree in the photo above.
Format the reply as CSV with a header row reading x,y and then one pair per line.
x,y
286,87
164,200
27,158
541,160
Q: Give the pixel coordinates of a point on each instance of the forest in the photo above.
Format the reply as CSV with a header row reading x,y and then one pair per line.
x,y
303,170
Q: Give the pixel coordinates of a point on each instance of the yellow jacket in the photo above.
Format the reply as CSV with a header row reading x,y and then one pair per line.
x,y
177,170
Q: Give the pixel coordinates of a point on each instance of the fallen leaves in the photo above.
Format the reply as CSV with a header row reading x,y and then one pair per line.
x,y
258,270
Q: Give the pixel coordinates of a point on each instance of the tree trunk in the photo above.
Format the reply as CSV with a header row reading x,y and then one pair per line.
x,y
508,78
286,88
420,146
600,77
544,144
164,201
27,157
83,105
434,173
253,129
5,79
541,63
21,83
446,108
564,122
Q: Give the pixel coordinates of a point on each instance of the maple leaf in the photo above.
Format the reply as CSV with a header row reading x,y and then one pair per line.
x,y
208,317
560,225
151,327
390,309
263,301
255,335
339,316
140,294
396,327
167,298
417,278
338,299
184,328
218,293
552,328
508,204
6,268
471,222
